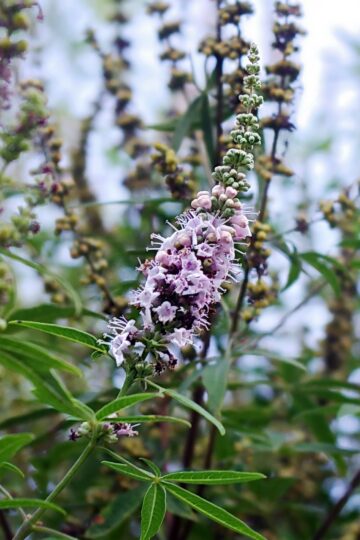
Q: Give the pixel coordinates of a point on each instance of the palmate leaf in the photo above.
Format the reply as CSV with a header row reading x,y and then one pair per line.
x,y
212,511
190,404
123,402
10,444
152,511
30,503
65,332
212,477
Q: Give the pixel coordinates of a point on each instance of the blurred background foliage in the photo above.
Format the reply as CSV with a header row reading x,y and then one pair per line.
x,y
113,114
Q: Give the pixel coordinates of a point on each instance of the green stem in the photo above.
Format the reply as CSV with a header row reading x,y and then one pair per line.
x,y
129,380
27,526
52,532
9,496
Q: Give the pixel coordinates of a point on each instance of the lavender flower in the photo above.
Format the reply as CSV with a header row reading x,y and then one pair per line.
x,y
185,279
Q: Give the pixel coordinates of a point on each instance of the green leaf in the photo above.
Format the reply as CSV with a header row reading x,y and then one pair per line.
x,y
117,512
215,376
12,468
295,269
51,313
39,377
189,404
155,469
322,264
10,444
12,421
123,402
270,355
178,508
129,469
126,470
38,355
186,121
30,503
207,128
43,271
325,448
72,407
49,388
212,477
152,511
213,512
66,332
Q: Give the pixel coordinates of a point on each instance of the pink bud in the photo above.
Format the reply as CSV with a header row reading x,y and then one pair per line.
x,y
195,204
217,190
230,192
205,201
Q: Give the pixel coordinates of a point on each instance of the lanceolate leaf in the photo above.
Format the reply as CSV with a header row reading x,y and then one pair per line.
x,y
10,444
12,468
215,377
117,513
189,404
50,313
45,272
295,269
37,354
30,503
325,265
72,406
212,477
185,123
65,332
127,471
122,403
207,128
39,378
49,388
155,469
152,511
213,512
142,474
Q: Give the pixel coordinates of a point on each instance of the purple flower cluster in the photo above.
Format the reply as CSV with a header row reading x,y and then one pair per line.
x,y
110,432
184,280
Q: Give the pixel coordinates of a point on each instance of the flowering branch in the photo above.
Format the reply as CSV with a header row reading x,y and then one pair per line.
x,y
185,279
